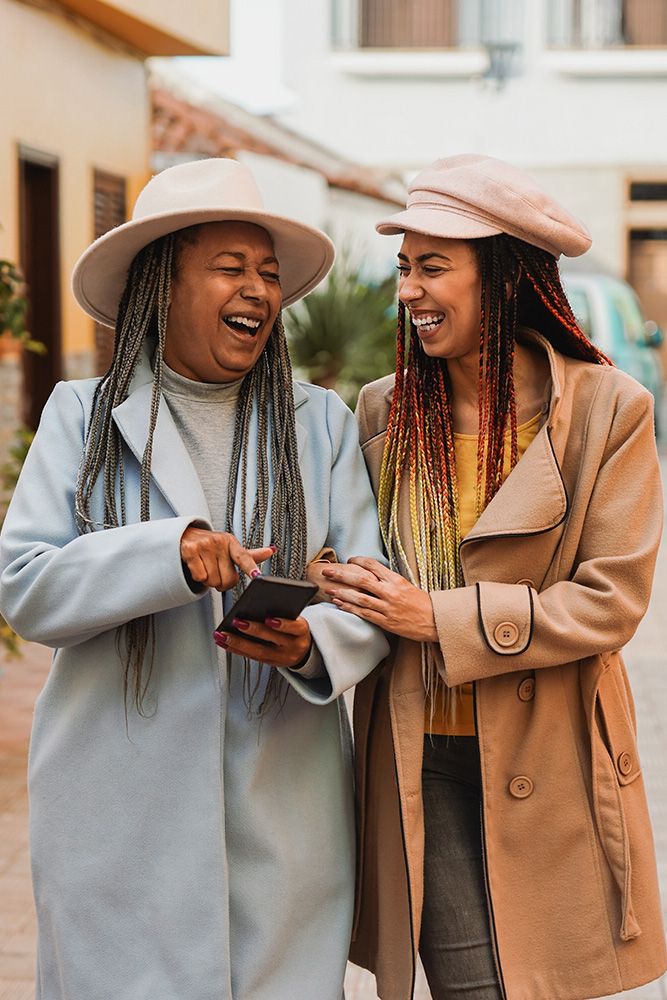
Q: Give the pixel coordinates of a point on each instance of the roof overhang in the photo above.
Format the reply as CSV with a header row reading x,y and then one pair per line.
x,y
145,29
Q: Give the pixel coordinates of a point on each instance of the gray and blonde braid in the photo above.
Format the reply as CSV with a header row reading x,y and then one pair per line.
x,y
142,313
268,388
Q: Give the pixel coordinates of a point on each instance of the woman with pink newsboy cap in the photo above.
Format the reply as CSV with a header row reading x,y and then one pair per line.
x,y
503,826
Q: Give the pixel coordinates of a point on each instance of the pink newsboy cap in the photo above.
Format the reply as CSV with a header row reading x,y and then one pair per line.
x,y
471,196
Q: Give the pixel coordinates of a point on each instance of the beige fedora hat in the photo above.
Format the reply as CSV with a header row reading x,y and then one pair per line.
x,y
471,196
211,190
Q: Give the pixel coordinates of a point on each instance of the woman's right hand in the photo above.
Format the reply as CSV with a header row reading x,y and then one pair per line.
x,y
213,558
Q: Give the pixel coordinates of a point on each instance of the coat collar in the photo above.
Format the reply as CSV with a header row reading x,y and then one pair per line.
x,y
533,498
171,466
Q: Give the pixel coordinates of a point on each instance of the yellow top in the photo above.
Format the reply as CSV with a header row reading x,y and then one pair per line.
x,y
453,715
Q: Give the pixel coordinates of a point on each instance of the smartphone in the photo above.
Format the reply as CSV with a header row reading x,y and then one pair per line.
x,y
269,597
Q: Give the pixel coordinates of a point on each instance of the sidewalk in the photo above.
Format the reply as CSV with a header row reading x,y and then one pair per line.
x,y
21,681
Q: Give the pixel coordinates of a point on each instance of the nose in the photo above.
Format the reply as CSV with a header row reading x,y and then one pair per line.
x,y
409,289
253,286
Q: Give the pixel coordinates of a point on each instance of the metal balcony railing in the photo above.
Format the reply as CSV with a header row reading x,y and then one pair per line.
x,y
598,24
424,24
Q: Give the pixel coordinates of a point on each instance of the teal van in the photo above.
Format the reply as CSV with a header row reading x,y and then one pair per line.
x,y
610,314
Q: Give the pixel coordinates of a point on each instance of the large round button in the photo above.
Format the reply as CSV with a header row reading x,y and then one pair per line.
x,y
625,763
506,634
521,787
525,582
526,689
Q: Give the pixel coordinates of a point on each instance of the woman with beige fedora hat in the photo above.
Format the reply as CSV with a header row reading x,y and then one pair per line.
x,y
503,825
191,809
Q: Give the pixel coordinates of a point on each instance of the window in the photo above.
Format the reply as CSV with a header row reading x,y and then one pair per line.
x,y
648,191
425,24
594,24
109,208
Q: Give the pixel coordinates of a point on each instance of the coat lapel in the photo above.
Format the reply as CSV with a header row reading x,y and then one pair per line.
x,y
171,467
533,498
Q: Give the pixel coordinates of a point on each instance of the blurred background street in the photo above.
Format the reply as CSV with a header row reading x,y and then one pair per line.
x,y
334,105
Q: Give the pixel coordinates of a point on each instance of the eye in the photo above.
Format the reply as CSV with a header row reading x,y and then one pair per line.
x,y
402,268
229,270
271,276
430,269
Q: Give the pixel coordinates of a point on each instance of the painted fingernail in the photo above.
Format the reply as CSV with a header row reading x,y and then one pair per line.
x,y
273,547
256,572
221,640
272,622
240,623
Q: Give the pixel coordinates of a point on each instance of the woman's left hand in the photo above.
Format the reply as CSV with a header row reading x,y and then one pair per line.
x,y
368,589
289,641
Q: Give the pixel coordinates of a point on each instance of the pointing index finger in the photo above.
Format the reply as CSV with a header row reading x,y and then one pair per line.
x,y
248,561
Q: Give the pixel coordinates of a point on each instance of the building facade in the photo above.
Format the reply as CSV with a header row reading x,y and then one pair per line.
x,y
574,91
74,151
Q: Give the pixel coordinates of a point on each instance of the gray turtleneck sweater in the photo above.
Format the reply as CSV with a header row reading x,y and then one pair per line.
x,y
205,416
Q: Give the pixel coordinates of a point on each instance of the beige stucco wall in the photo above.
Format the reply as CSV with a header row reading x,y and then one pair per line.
x,y
65,94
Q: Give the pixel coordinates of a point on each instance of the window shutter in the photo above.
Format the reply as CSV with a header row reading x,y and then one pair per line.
x,y
409,24
109,210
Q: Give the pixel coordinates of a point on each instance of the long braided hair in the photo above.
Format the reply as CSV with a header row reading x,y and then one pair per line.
x,y
419,453
266,391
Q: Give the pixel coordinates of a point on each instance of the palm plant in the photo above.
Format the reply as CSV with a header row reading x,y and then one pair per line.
x,y
343,335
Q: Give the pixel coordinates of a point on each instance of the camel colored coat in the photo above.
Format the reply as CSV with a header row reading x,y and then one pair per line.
x,y
558,573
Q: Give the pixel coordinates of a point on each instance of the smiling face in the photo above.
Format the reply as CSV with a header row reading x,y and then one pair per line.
x,y
440,283
225,297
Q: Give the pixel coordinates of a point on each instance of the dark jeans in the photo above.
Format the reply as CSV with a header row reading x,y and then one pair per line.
x,y
455,944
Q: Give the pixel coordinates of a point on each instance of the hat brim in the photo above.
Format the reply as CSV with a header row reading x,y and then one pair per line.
x,y
435,222
305,255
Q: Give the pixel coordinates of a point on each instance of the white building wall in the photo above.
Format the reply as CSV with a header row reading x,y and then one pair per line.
x,y
347,217
583,121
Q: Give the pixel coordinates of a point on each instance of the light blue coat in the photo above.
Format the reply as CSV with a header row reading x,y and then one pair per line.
x,y
198,855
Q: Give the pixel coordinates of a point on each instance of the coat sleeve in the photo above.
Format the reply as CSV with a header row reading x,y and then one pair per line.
x,y
58,587
350,647
494,628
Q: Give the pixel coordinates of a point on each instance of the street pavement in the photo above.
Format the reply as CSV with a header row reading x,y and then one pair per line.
x,y
21,680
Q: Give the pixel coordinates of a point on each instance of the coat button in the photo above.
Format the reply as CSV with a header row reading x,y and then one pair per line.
x,y
525,582
624,763
526,689
521,787
506,634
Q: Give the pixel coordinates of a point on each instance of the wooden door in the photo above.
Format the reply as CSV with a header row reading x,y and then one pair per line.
x,y
40,262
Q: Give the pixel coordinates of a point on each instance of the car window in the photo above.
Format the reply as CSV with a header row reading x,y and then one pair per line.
x,y
626,305
582,310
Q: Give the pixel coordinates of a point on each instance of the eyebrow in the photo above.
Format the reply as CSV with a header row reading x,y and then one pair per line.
x,y
241,256
425,256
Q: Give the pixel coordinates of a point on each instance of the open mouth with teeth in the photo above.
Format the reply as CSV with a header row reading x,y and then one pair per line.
x,y
243,324
426,324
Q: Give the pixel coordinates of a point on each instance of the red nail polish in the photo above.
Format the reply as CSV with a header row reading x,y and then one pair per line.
x,y
273,547
256,572
272,622
240,623
221,640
